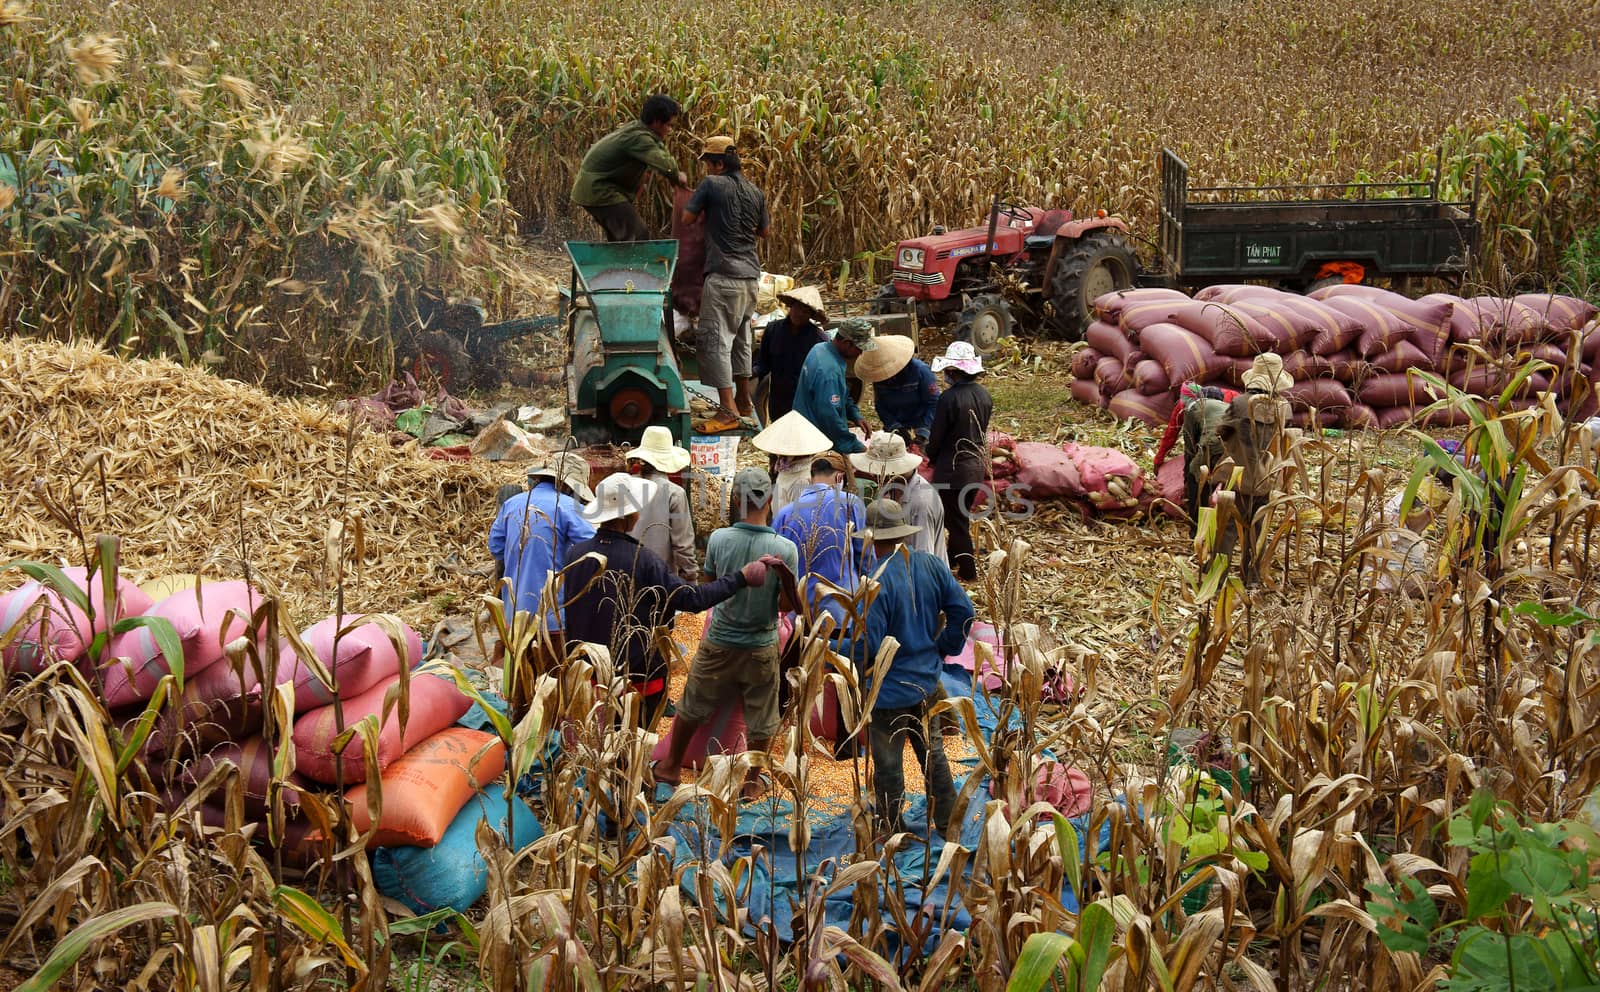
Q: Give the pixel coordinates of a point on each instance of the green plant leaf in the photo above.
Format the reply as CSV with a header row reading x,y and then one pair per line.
x,y
1041,953
1067,841
1097,928
75,944
313,919
1406,923
1487,886
53,577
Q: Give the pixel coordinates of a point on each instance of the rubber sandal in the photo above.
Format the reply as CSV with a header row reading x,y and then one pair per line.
x,y
720,423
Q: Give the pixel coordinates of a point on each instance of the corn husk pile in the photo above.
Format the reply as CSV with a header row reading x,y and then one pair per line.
x,y
197,474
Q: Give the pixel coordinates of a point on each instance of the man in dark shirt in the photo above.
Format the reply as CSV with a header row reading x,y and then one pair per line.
x,y
784,346
618,593
735,214
614,168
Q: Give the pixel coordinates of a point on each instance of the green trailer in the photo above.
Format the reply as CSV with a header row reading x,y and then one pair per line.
x,y
1298,237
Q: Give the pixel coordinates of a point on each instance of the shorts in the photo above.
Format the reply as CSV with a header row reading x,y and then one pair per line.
x,y
726,306
718,672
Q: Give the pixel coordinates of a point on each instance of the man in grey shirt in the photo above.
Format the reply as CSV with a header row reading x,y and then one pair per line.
x,y
735,215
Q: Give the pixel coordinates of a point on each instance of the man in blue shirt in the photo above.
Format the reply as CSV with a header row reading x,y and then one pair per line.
x,y
919,604
823,397
829,526
533,530
904,390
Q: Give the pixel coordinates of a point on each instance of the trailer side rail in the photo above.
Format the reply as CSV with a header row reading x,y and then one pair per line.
x,y
1174,194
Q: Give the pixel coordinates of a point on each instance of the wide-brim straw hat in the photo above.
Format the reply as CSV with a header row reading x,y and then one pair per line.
x,y
886,455
569,470
1266,374
657,450
893,353
807,297
886,519
618,495
960,356
792,436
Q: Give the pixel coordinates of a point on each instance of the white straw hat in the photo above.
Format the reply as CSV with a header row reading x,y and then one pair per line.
x,y
566,469
618,495
1266,374
886,455
656,449
808,297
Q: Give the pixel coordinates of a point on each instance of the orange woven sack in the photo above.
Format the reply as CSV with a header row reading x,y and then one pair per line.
x,y
427,786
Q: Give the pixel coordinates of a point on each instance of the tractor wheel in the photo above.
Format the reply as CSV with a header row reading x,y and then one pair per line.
x,y
984,322
444,357
1099,263
882,300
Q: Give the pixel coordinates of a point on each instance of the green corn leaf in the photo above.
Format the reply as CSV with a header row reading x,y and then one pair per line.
x,y
74,945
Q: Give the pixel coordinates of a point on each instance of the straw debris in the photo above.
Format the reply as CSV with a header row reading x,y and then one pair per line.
x,y
194,472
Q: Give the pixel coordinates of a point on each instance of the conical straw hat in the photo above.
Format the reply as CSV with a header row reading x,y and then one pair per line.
x,y
894,351
792,436
806,296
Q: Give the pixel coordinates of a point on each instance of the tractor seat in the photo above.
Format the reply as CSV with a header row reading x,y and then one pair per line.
x,y
1045,231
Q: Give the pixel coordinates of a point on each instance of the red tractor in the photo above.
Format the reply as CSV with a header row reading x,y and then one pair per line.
x,y
1044,261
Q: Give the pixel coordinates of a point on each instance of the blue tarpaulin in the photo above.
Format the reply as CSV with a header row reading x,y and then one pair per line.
x,y
774,888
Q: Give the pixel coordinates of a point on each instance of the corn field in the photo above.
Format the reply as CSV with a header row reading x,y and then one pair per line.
x,y
265,188
1365,740
1343,788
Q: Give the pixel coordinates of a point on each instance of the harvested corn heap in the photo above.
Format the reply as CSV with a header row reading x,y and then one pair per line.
x,y
198,469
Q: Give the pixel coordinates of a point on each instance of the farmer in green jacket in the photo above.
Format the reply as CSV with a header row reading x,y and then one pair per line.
x,y
614,168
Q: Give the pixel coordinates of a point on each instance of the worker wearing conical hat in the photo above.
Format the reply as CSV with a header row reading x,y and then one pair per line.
x,y
784,346
793,442
904,390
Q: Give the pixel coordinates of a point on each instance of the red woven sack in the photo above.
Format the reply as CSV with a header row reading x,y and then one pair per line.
x,y
436,703
1561,314
1396,416
1087,392
1324,394
1109,341
1112,306
1380,328
1150,378
1084,361
1112,375
1229,329
1186,356
1394,389
1358,417
1404,355
1153,410
1305,365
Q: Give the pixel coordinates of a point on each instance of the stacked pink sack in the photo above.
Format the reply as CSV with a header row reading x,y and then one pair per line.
x,y
1348,348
